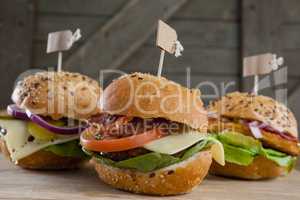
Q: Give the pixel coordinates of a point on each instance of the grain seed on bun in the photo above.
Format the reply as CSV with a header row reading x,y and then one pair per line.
x,y
148,96
147,155
175,179
58,94
257,125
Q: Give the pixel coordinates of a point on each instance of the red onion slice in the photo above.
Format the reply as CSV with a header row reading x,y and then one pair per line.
x,y
263,126
255,130
55,129
16,112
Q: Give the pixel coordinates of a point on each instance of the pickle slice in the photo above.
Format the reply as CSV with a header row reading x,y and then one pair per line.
x,y
41,133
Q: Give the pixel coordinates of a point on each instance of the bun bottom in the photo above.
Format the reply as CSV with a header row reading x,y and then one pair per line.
x,y
261,168
175,179
44,160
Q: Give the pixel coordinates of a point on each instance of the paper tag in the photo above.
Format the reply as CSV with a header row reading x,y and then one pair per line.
x,y
62,40
166,37
260,64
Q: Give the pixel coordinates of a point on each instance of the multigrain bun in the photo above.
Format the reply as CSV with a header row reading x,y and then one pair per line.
x,y
44,160
58,94
148,96
256,107
259,108
176,179
260,168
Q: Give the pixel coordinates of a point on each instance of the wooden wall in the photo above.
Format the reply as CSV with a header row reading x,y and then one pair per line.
x,y
209,32
215,34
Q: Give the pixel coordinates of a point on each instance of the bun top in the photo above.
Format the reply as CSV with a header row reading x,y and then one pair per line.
x,y
253,107
147,96
58,94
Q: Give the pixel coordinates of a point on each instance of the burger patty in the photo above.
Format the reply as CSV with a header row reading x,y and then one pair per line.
x,y
271,140
116,126
124,155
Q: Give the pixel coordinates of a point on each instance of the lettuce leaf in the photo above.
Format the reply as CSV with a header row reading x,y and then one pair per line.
x,y
242,150
238,155
280,158
240,140
151,161
68,149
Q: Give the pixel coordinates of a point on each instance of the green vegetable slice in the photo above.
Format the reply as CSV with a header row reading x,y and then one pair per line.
x,y
242,150
148,162
280,158
240,140
238,155
68,149
151,161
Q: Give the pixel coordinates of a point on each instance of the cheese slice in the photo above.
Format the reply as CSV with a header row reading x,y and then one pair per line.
x,y
175,143
217,151
17,142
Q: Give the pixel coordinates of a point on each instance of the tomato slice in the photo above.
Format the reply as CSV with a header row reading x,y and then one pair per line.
x,y
122,144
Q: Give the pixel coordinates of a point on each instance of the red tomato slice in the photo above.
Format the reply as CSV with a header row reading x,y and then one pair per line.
x,y
122,144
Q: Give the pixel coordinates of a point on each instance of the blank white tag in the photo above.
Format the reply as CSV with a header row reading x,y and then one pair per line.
x,y
62,40
166,37
256,65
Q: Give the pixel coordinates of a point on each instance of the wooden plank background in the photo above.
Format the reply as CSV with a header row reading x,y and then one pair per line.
x,y
16,26
215,34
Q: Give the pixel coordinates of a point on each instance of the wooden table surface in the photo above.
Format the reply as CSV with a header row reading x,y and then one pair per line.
x,y
83,184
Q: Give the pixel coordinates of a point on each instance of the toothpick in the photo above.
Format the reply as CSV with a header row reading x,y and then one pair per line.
x,y
61,41
59,63
256,84
161,62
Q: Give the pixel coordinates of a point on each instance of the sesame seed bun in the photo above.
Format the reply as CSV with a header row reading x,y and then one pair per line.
x,y
58,94
260,168
176,179
260,108
147,96
44,160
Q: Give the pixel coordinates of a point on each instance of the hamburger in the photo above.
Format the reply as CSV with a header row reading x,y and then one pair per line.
x,y
41,129
259,136
151,137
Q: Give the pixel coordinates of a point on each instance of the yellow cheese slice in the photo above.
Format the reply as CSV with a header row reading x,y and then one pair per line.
x,y
18,141
175,143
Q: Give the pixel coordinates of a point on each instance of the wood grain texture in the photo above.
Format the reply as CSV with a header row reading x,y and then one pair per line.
x,y
293,100
18,184
202,33
227,10
201,60
291,10
109,47
79,7
16,26
52,23
260,32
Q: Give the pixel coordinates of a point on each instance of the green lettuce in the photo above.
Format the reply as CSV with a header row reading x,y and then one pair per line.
x,y
242,141
241,149
151,161
68,149
238,155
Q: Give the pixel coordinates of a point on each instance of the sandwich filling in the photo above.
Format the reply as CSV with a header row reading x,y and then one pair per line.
x,y
144,144
24,137
242,146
